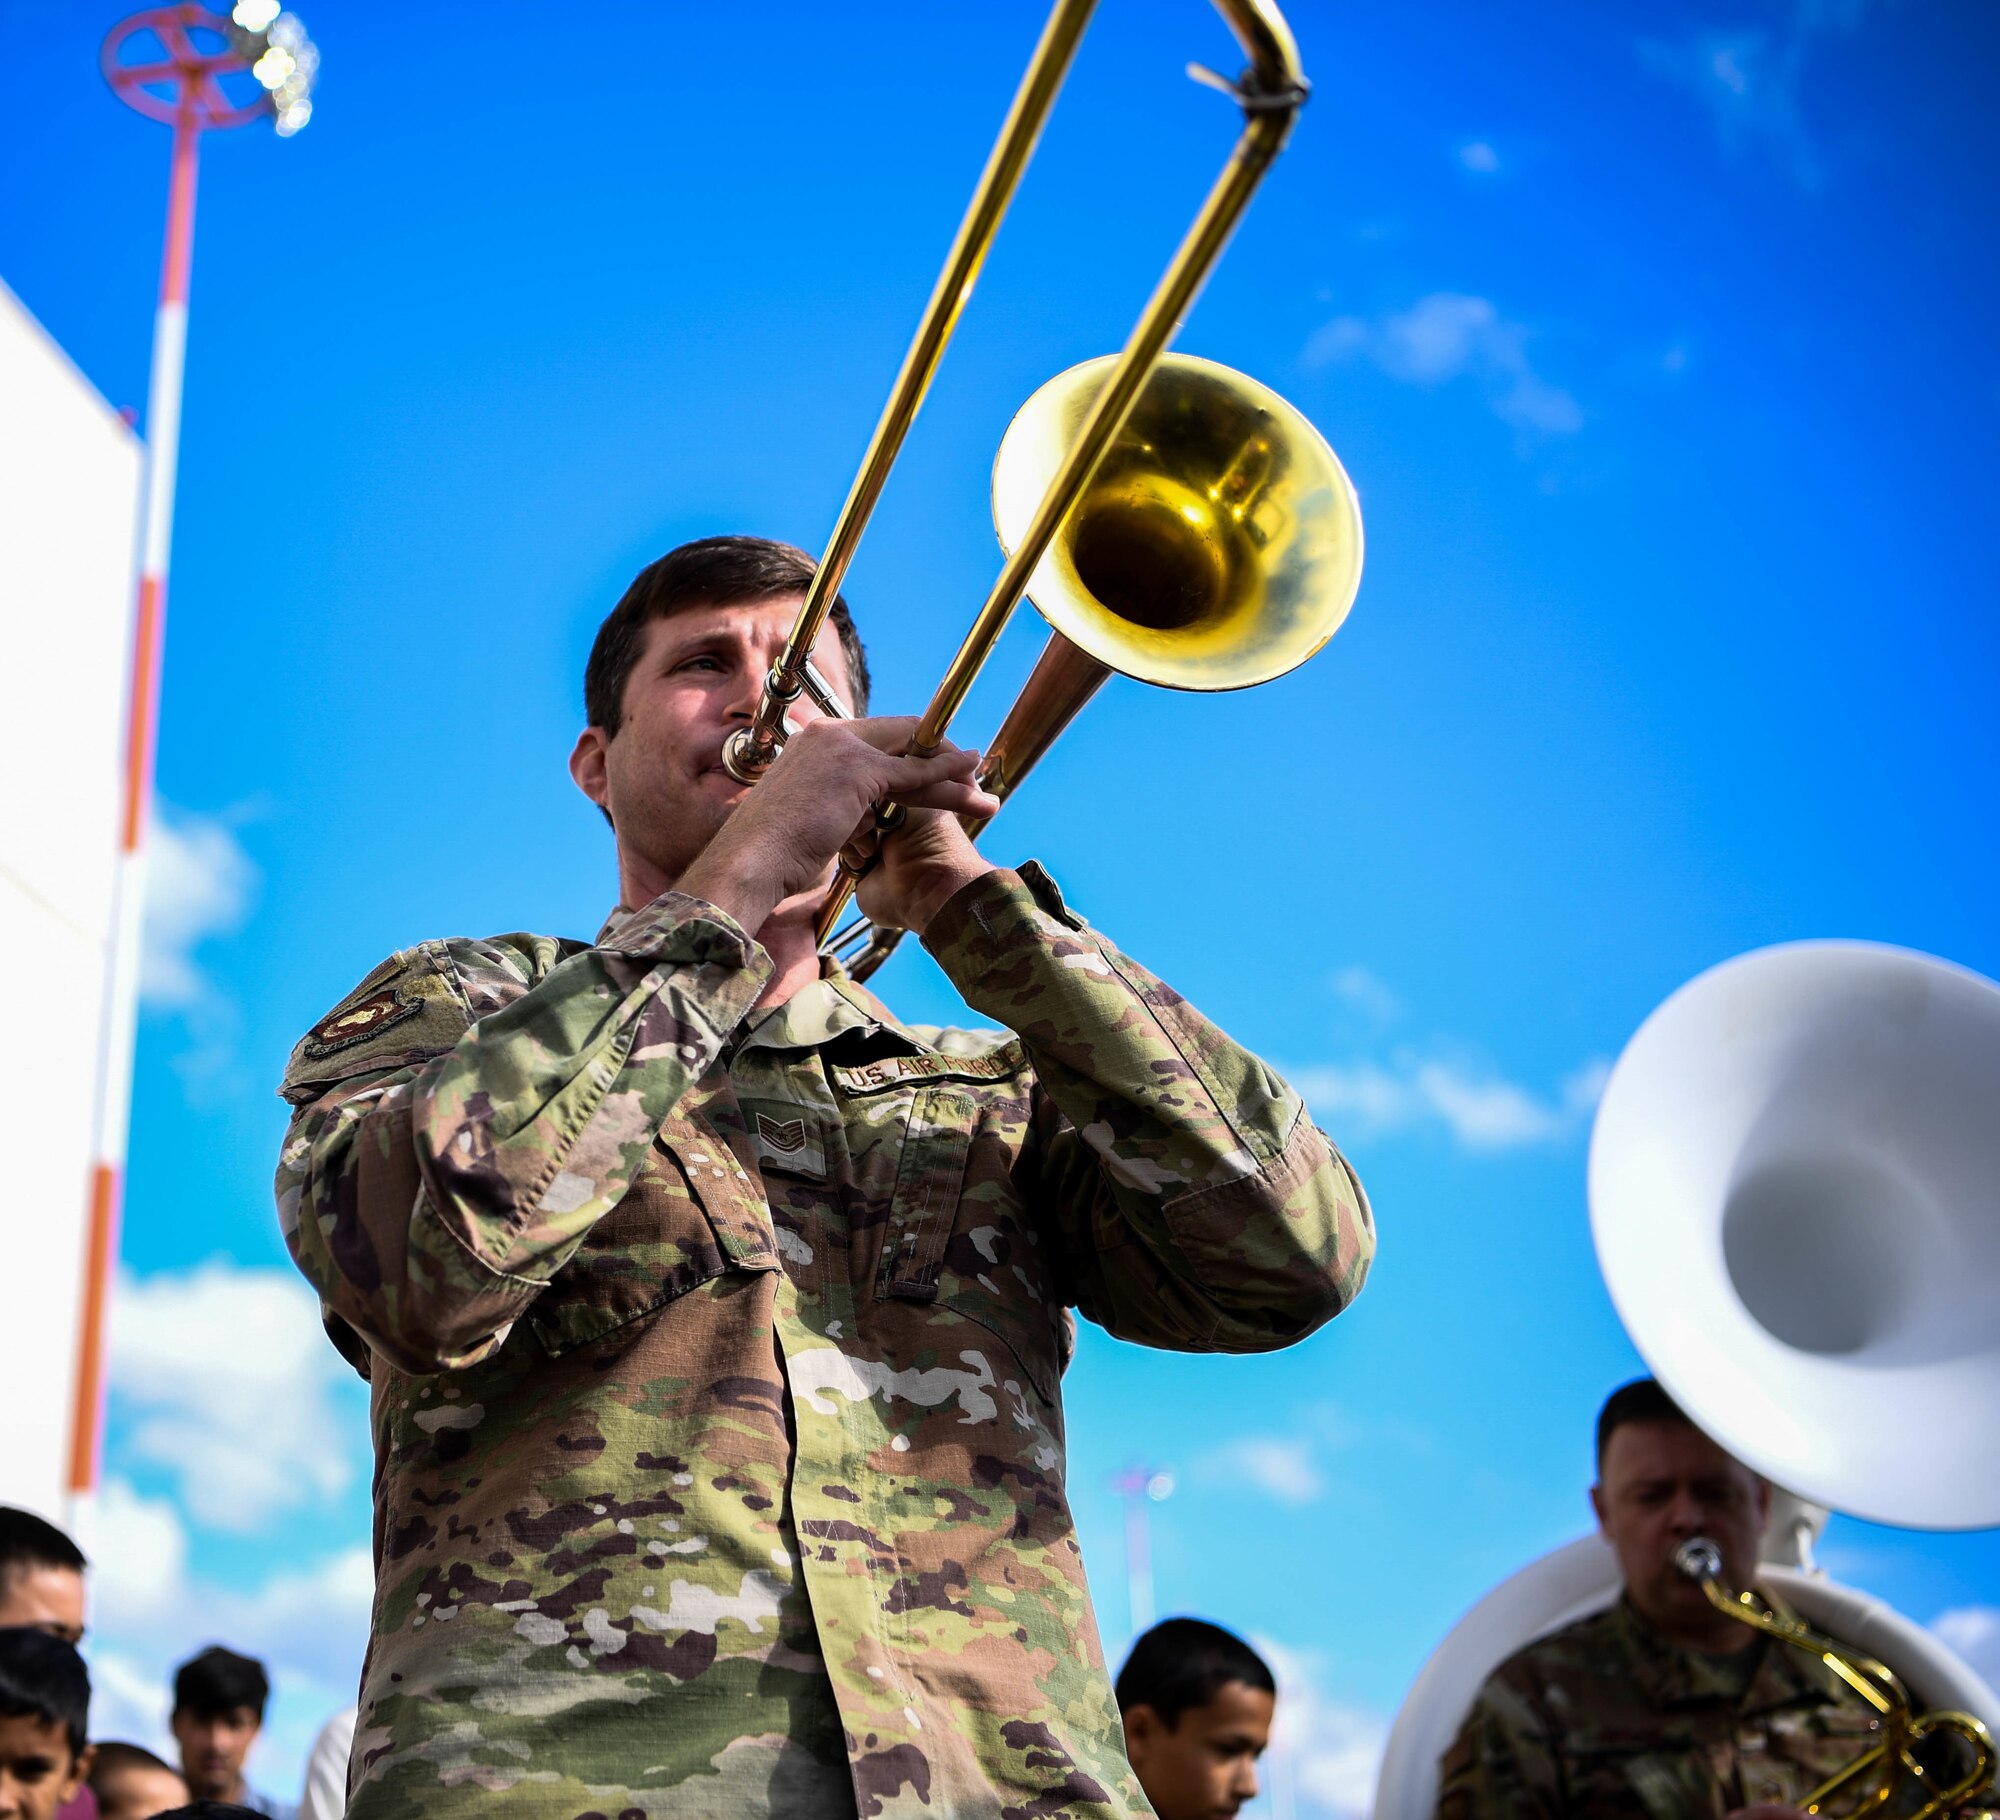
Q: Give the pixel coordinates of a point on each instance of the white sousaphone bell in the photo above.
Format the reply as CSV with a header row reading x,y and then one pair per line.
x,y
1795,1197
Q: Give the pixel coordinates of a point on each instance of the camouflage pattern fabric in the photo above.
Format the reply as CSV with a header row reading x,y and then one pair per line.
x,y
1607,1720
715,1358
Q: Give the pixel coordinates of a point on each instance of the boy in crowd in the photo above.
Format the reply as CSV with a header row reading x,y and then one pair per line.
x,y
132,1784
218,1711
41,1576
41,1587
1198,1705
44,1720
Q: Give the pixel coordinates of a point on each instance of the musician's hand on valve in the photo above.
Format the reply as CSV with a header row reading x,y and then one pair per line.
x,y
922,864
782,839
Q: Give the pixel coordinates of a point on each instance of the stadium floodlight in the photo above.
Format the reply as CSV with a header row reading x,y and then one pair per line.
x,y
282,58
194,70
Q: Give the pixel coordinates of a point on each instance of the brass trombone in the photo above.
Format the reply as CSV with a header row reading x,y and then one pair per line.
x,y
1888,1767
1175,521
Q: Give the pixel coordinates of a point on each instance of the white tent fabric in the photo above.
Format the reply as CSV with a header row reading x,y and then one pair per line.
x,y
69,487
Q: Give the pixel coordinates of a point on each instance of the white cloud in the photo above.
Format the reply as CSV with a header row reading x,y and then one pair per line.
x,y
138,1552
1974,1631
227,1381
308,1625
1481,1109
1361,991
1325,1754
1448,336
1432,1083
199,882
1749,79
1477,155
1282,1467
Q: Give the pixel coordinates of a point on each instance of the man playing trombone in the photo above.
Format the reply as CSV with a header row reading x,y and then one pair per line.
x,y
715,1320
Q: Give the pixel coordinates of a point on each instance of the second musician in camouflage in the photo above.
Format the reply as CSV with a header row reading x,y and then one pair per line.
x,y
1662,1708
715,1320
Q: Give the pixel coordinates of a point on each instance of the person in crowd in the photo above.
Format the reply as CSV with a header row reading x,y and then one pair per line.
x,y
41,1576
44,1723
219,1700
131,1783
1197,1704
1661,1705
41,1586
716,1320
209,1810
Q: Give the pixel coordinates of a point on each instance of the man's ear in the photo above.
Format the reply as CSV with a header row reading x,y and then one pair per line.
x,y
1597,1507
78,1771
1143,1729
589,766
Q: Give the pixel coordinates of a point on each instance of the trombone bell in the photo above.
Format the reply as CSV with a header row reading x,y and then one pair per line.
x,y
1219,542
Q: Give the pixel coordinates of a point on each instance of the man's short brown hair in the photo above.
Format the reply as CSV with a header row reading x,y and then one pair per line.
x,y
1642,1400
710,572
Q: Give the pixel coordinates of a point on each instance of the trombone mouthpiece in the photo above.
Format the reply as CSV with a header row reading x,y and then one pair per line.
x,y
744,759
1699,1559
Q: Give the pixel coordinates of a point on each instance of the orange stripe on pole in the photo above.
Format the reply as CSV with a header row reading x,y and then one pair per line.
x,y
86,1416
139,715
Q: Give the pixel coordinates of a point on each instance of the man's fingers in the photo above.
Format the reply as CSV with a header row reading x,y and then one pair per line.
x,y
885,732
893,733
890,733
955,796
902,779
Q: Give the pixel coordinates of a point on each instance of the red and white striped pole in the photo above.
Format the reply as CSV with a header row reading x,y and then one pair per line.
x,y
118,1027
196,50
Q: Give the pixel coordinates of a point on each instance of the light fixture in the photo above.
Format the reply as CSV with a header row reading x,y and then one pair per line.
x,y
280,55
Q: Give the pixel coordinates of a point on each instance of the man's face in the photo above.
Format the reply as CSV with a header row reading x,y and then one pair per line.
x,y
1203,1767
1662,1484
138,1793
699,675
43,1598
213,1746
38,1770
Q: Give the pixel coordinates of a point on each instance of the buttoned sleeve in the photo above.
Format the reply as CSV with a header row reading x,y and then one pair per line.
x,y
472,1109
1196,1205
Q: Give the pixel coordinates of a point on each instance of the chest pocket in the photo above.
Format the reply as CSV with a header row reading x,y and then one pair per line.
x,y
959,1238
689,1216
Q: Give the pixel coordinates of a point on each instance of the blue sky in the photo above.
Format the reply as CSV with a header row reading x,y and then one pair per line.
x,y
1656,340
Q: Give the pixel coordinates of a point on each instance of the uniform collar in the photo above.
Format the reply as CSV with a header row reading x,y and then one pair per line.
x,y
828,1010
832,1012
1673,1675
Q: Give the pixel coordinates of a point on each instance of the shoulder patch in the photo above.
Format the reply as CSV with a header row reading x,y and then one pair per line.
x,y
353,1024
416,1005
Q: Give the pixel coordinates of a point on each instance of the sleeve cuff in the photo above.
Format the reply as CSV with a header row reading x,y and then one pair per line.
x,y
997,914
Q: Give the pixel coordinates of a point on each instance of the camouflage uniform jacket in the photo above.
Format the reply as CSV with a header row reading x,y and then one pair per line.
x,y
1607,1720
715,1358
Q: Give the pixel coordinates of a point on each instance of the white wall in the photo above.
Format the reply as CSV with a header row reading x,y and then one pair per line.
x,y
69,481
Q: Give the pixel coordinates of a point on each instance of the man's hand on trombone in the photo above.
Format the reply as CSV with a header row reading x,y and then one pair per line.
x,y
778,848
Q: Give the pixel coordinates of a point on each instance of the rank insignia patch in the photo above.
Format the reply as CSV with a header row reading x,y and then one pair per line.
x,y
786,1135
790,1145
356,1023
